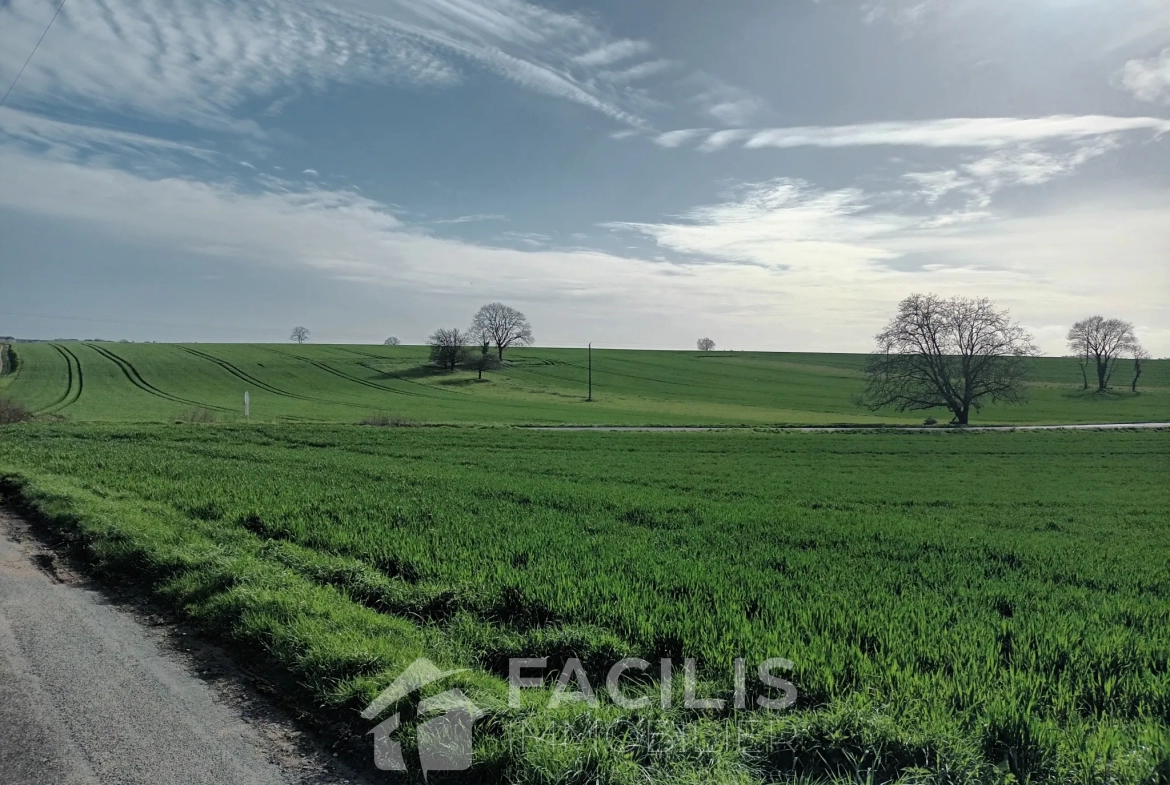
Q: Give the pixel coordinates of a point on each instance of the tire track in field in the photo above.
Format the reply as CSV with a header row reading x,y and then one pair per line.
x,y
72,391
135,378
364,382
242,375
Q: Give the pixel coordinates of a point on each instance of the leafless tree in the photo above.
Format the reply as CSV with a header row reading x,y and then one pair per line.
x,y
1139,354
299,334
448,347
392,341
1103,342
501,325
955,353
483,360
705,344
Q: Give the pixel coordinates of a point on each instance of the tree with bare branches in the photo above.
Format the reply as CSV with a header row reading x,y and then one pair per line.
x,y
392,341
299,334
705,344
1103,342
502,326
448,347
955,353
1139,354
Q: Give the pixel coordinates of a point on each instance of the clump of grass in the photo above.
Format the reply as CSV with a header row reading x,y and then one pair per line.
x,y
384,420
12,412
197,416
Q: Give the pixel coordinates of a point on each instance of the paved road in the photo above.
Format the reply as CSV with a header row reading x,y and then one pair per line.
x,y
87,697
1105,426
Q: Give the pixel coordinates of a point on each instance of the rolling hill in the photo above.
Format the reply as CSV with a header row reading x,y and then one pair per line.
x,y
332,383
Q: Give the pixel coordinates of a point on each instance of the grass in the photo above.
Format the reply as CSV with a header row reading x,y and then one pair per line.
x,y
344,384
960,607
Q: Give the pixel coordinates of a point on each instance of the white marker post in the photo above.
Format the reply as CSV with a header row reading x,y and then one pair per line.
x,y
246,405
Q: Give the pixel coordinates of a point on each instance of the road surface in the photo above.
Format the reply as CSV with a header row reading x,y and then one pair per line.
x,y
89,696
1105,426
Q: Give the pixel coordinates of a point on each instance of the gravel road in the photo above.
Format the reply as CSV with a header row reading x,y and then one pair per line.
x,y
91,694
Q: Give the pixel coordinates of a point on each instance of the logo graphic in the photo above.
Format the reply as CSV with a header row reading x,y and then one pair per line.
x,y
444,741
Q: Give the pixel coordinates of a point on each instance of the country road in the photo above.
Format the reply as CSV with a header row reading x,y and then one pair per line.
x,y
91,695
1105,426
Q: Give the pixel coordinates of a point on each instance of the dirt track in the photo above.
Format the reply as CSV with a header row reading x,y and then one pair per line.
x,y
93,693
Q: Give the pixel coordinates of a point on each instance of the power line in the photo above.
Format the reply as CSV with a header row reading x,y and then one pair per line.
x,y
33,52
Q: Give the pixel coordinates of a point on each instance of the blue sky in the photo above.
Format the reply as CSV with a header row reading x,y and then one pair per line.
x,y
776,175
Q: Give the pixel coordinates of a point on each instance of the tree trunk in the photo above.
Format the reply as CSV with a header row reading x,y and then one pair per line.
x,y
1084,377
961,416
481,372
500,352
1102,378
1136,375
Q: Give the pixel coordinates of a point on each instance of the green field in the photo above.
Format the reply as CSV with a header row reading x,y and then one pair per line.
x,y
288,383
959,607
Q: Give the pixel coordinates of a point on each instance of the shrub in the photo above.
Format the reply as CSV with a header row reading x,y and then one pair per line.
x,y
196,415
13,412
384,420
930,421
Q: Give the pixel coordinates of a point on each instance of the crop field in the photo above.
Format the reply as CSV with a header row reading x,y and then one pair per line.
x,y
958,607
288,383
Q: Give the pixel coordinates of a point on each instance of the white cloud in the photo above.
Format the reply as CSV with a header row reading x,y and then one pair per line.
x,y
832,251
1147,80
986,132
777,265
612,52
980,178
71,140
726,103
311,172
678,138
203,61
640,71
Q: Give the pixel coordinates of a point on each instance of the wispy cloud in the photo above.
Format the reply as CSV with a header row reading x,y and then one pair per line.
x,y
203,62
985,132
464,219
612,52
678,138
979,179
1147,80
724,102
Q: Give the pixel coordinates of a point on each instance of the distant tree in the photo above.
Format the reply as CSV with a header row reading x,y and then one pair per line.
x,y
953,353
501,325
391,341
1103,342
1139,354
705,344
299,334
483,360
448,347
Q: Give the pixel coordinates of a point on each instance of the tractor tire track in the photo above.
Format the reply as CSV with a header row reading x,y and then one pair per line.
x,y
135,378
70,396
243,376
365,383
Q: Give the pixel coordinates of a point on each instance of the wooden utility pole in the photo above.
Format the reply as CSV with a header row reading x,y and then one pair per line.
x,y
590,398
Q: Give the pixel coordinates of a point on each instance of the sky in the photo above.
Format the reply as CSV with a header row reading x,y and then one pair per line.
x,y
773,174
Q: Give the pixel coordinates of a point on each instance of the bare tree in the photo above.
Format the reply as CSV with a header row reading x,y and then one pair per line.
x,y
705,344
483,360
1139,354
448,347
299,334
392,341
1103,342
955,353
501,325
